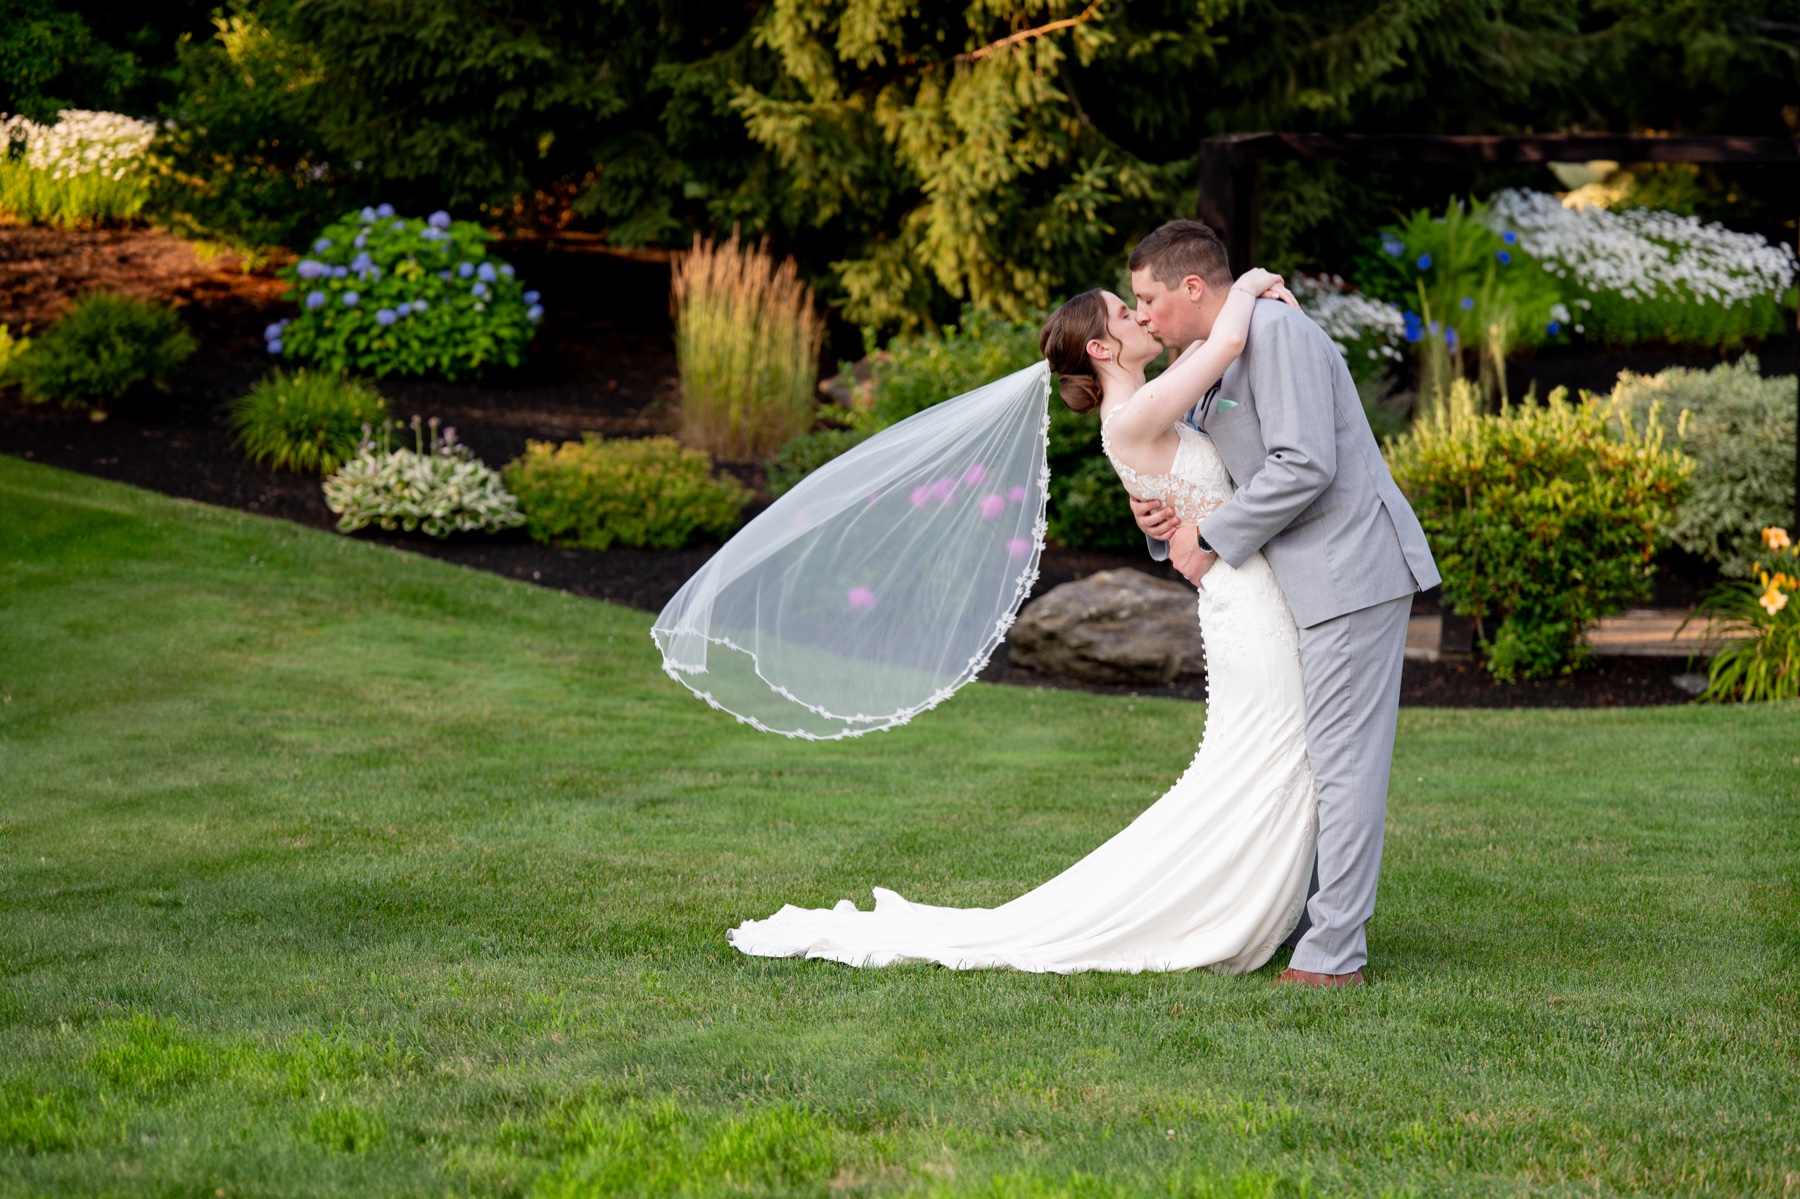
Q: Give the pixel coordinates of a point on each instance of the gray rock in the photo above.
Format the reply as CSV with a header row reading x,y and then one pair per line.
x,y
1118,626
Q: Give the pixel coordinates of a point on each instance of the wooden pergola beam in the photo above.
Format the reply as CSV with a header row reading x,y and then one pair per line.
x,y
1230,198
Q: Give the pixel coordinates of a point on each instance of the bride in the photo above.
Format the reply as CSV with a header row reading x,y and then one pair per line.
x,y
1214,873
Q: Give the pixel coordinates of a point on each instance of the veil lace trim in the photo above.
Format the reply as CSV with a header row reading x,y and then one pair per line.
x,y
862,723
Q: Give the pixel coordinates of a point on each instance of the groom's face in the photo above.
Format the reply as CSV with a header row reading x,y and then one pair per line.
x,y
1175,316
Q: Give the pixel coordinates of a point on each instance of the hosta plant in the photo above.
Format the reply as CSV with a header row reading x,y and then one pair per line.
x,y
435,487
1760,620
308,420
393,295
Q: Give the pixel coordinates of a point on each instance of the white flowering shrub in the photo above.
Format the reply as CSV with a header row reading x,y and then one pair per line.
x,y
83,169
394,295
436,487
1645,274
1367,331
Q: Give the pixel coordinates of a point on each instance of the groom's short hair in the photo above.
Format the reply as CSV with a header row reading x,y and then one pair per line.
x,y
1176,249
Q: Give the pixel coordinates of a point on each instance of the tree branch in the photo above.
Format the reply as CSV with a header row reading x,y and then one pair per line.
x,y
1026,35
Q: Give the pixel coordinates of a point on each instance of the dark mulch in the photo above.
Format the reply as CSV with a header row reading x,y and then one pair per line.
x,y
602,363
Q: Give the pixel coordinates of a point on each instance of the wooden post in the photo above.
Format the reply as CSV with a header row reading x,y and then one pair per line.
x,y
1230,198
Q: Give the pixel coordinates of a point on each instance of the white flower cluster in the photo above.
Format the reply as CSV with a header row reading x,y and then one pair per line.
x,y
81,142
438,490
1349,316
1643,253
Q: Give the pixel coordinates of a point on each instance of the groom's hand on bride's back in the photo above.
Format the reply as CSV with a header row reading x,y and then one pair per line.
x,y
1157,520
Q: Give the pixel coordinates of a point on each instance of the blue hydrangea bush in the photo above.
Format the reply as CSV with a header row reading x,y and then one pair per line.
x,y
388,294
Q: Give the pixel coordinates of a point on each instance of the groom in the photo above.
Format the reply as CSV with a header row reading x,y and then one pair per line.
x,y
1314,495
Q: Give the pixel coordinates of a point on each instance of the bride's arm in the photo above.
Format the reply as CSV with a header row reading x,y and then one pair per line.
x,y
1164,400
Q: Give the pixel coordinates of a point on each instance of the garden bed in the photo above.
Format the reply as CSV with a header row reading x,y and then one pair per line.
x,y
602,363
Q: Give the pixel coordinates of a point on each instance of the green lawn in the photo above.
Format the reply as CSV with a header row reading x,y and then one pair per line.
x,y
330,870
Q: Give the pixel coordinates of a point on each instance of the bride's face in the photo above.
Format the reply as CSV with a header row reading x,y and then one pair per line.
x,y
1134,345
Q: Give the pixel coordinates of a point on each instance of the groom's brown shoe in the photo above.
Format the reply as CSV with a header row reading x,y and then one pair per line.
x,y
1306,978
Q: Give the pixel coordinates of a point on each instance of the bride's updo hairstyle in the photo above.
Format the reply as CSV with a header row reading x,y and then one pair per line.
x,y
1064,343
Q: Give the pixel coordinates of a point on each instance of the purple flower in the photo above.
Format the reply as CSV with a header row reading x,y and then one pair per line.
x,y
464,269
943,489
350,299
444,275
272,332
1503,256
991,507
1467,303
920,495
315,299
1016,495
360,240
404,310
1393,245
385,317
382,210
308,269
438,220
1510,238
1553,328
861,599
1424,262
275,345
339,271
535,312
479,291
485,272
532,297
322,245
399,226
975,476
420,305
506,269
1018,547
361,262
369,214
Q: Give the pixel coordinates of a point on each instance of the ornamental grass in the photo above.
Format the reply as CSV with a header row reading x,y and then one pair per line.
x,y
747,341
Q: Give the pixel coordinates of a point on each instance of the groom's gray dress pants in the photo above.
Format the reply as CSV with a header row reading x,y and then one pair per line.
x,y
1351,665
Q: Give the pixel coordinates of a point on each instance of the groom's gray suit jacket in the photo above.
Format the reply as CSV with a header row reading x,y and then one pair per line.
x,y
1313,492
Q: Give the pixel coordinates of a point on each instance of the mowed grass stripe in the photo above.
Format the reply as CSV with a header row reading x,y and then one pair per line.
x,y
326,869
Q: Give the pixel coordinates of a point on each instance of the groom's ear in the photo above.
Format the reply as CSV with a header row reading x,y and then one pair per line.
x,y
1194,287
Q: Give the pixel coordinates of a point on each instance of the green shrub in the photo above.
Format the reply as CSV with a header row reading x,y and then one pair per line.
x,y
101,348
391,295
1543,519
807,453
1762,624
922,369
242,159
650,493
308,421
437,487
1739,429
10,349
747,341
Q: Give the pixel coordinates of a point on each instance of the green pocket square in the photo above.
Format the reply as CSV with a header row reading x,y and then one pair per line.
x,y
1224,404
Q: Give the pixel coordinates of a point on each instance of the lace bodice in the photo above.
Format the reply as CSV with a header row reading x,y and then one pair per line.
x,y
1195,483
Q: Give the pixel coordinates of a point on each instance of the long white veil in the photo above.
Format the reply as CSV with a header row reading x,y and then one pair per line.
x,y
882,582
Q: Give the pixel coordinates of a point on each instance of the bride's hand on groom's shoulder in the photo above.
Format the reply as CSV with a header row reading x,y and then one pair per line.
x,y
1266,285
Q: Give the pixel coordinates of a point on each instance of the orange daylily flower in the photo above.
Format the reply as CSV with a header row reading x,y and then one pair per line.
x,y
1773,600
1776,537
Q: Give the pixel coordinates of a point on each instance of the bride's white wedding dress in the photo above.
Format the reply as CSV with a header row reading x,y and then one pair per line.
x,y
1213,874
